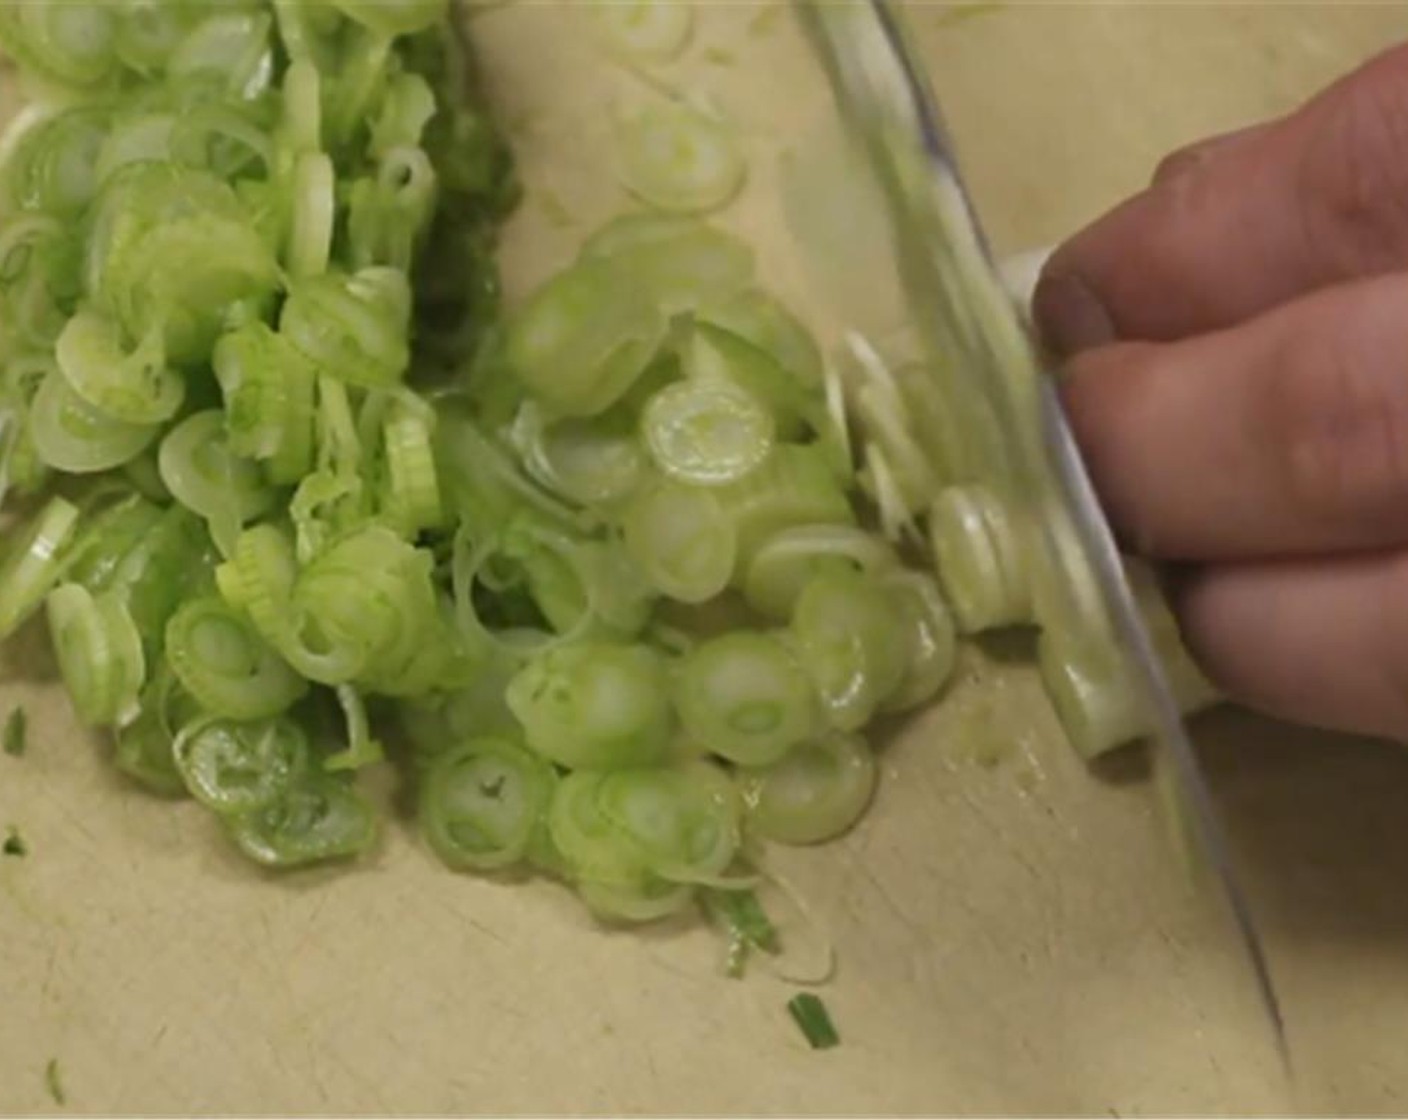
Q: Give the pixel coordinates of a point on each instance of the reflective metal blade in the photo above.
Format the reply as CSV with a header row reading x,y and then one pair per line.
x,y
1026,450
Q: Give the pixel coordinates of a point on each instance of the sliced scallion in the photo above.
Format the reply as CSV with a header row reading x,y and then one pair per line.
x,y
235,766
483,801
745,697
34,562
316,818
851,638
133,388
225,665
644,30
676,157
706,432
71,435
978,557
583,338
682,538
813,1020
815,793
683,263
99,653
593,705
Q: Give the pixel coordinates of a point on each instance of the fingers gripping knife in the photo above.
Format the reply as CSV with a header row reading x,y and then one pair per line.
x,y
1024,449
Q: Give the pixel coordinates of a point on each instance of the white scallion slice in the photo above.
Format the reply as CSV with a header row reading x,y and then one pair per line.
x,y
933,638
788,560
976,550
707,433
677,158
314,210
134,388
33,562
682,539
817,792
683,262
71,435
649,31
744,696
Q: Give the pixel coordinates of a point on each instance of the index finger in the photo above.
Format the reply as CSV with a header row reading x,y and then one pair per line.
x,y
1244,223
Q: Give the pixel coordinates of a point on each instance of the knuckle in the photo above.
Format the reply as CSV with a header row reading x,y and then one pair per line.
x,y
1179,162
1355,176
1338,426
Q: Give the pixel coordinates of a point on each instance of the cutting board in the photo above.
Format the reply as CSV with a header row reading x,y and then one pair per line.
x,y
1012,934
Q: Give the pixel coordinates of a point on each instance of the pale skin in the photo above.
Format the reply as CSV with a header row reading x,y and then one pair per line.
x,y
1236,352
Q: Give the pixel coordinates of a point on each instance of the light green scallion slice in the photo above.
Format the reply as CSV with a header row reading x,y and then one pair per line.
x,y
352,328
595,705
794,486
71,45
786,562
681,822
133,387
413,488
233,766
851,639
99,653
483,802
682,539
933,638
707,432
768,324
816,793
206,476
592,461
33,562
268,389
71,435
314,212
713,355
584,337
677,158
225,665
317,818
683,263
744,696
51,164
650,31
976,550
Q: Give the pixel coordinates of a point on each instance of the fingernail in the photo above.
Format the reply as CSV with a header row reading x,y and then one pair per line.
x,y
1069,315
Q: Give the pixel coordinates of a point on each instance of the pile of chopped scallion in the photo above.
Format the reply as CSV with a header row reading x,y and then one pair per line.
x,y
284,479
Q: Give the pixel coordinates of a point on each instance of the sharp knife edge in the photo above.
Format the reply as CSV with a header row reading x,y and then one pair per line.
x,y
1175,758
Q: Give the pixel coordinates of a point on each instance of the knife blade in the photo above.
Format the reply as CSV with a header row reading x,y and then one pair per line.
x,y
959,300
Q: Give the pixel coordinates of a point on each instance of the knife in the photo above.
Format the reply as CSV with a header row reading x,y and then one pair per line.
x,y
996,384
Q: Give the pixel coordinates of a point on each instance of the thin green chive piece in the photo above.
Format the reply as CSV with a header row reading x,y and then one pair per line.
x,y
814,1021
746,923
14,737
54,1082
14,844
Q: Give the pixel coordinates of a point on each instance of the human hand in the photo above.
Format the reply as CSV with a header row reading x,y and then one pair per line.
x,y
1237,375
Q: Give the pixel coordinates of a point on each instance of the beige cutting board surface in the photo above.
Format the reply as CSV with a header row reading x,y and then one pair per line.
x,y
1012,934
